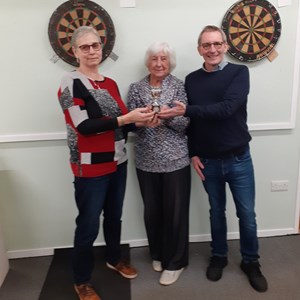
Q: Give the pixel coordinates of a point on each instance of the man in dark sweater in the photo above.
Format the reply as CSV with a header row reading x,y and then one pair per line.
x,y
218,140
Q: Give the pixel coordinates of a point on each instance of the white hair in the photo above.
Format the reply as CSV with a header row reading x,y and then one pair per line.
x,y
164,47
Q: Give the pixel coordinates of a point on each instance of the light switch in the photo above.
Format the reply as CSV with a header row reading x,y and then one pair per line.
x,y
284,3
127,3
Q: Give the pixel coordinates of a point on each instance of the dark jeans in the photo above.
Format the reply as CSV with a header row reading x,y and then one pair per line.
x,y
93,195
238,172
166,199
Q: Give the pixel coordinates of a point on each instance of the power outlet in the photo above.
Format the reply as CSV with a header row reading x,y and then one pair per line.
x,y
279,185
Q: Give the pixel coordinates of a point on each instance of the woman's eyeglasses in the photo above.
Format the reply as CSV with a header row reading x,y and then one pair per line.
x,y
217,45
86,48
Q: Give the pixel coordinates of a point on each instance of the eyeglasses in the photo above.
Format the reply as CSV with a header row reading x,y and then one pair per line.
x,y
217,45
86,48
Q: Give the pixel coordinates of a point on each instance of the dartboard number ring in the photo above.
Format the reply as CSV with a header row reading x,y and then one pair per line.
x,y
252,28
73,14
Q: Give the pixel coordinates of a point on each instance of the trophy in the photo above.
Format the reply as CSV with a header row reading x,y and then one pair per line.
x,y
155,94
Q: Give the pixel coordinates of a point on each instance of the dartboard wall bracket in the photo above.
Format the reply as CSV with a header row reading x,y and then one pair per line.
x,y
73,14
252,28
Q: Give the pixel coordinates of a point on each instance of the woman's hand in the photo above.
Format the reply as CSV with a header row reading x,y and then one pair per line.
x,y
164,108
198,166
154,122
137,115
178,110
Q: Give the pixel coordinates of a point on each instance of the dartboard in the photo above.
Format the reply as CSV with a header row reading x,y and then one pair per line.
x,y
253,28
73,14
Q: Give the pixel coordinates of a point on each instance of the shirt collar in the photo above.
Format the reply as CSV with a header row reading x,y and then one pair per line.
x,y
220,67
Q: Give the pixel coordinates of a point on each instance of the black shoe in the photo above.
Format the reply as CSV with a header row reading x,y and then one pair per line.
x,y
256,278
215,269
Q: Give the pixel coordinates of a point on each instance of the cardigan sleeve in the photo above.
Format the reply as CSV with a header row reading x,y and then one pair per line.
x,y
179,123
76,101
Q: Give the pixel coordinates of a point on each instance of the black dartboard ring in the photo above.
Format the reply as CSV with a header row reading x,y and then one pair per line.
x,y
253,28
73,14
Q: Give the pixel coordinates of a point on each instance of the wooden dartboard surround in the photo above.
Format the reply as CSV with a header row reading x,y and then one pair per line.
x,y
73,14
252,27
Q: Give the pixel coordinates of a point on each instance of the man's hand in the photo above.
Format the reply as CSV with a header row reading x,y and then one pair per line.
x,y
198,166
177,110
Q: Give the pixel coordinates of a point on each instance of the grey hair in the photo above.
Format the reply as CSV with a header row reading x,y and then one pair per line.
x,y
212,28
81,31
164,47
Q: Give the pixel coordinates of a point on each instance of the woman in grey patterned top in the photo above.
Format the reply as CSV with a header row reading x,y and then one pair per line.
x,y
163,165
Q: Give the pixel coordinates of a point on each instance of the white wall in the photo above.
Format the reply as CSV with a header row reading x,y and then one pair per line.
x,y
37,209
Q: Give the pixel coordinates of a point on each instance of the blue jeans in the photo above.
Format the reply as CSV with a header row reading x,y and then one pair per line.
x,y
94,195
238,172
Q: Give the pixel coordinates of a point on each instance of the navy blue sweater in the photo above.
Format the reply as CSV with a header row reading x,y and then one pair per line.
x,y
218,111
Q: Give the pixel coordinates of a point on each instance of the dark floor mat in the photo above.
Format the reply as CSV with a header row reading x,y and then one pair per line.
x,y
108,283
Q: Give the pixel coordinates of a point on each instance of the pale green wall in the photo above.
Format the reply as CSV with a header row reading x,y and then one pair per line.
x,y
37,210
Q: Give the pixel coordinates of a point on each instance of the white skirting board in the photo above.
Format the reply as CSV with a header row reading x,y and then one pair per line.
x,y
25,253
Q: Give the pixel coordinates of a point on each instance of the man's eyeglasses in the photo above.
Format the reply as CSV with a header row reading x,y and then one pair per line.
x,y
217,45
86,48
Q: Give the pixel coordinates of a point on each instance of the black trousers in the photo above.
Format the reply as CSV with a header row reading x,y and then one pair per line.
x,y
166,199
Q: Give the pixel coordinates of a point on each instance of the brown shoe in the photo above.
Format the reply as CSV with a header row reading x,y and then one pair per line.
x,y
86,292
124,268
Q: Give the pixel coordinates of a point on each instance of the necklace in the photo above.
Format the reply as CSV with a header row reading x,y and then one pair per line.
x,y
95,79
96,84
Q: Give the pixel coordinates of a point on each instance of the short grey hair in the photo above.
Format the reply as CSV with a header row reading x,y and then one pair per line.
x,y
80,32
164,47
211,28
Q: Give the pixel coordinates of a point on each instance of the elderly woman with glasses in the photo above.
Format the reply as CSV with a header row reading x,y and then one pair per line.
x,y
163,164
97,122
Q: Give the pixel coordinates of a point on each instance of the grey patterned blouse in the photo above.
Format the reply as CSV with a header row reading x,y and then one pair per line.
x,y
164,148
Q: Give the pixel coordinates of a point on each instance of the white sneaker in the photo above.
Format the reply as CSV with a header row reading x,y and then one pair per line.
x,y
156,265
168,277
